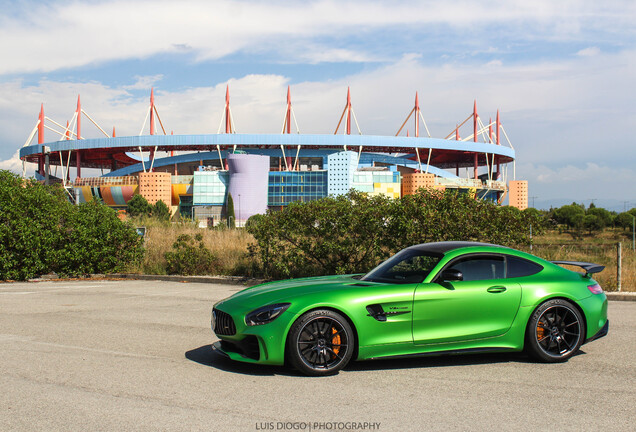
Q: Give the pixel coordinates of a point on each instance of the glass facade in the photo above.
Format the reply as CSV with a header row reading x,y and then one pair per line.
x,y
364,180
210,187
378,182
290,186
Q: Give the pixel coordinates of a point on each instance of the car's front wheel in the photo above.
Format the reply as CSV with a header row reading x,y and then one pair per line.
x,y
321,342
555,331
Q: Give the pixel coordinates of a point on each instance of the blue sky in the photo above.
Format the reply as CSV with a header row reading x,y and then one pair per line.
x,y
562,74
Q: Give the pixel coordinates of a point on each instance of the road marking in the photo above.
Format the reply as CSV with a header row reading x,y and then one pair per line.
x,y
29,340
18,292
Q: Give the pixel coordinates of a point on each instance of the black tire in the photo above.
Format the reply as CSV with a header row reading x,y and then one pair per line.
x,y
321,342
556,330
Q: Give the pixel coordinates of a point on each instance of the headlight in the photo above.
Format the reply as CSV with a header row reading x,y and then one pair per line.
x,y
265,314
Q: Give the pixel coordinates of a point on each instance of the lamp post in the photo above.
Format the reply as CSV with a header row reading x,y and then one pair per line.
x,y
633,233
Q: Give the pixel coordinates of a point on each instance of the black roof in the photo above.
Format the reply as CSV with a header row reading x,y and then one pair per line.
x,y
445,246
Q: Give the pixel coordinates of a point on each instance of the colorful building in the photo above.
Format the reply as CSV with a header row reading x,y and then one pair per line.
x,y
261,171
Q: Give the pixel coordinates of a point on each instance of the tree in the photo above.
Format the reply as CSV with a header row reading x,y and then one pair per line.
x,y
139,206
604,216
592,222
624,220
161,211
231,217
570,215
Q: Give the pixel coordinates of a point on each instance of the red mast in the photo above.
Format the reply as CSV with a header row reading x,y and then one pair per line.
x,y
152,109
228,116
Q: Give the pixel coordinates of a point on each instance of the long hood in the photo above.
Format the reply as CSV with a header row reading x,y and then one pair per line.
x,y
287,290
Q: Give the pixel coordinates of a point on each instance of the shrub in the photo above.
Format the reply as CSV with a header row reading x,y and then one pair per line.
x,y
160,211
190,257
139,206
42,232
231,217
352,233
98,242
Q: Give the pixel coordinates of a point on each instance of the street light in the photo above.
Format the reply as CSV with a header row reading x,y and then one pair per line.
x,y
633,233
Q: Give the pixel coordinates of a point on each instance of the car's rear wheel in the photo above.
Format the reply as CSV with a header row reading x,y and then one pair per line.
x,y
320,342
555,331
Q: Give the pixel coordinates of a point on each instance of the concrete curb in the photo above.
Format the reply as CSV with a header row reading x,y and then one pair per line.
x,y
621,296
233,280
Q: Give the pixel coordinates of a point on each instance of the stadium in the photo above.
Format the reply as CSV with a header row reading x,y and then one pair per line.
x,y
197,175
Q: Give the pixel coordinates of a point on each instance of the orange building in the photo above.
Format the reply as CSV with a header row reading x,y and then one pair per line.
x,y
518,194
411,182
156,186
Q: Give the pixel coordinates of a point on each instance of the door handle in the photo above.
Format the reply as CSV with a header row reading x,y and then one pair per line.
x,y
496,289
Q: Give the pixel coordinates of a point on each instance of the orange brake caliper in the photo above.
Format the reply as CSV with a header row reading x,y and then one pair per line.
x,y
335,340
540,330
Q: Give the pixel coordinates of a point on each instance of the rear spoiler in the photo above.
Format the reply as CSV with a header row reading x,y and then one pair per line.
x,y
590,268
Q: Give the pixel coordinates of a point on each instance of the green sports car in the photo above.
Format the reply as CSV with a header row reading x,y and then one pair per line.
x,y
446,297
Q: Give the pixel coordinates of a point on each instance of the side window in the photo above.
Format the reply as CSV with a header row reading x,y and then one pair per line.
x,y
519,267
413,269
476,268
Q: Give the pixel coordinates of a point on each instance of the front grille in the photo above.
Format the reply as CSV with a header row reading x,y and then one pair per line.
x,y
224,324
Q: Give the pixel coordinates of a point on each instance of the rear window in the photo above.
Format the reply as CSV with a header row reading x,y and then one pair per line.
x,y
519,267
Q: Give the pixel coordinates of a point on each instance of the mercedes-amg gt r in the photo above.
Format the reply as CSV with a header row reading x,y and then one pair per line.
x,y
446,297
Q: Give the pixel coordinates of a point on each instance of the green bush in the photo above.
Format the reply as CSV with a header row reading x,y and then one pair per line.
x,y
231,217
42,232
353,233
160,211
190,257
138,206
98,242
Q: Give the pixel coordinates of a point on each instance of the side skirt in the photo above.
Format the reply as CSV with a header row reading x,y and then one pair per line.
x,y
446,352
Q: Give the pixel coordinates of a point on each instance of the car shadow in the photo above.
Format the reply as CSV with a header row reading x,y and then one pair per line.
x,y
436,361
207,356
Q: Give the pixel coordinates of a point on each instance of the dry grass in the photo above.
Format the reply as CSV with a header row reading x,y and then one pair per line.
x,y
600,248
230,247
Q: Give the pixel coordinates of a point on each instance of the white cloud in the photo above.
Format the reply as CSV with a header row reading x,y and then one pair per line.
x,y
144,82
13,164
589,52
569,183
62,35
557,114
577,174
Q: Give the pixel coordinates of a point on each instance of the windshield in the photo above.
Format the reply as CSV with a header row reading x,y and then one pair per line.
x,y
407,266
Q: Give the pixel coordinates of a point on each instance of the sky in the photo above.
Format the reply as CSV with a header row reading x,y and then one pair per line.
x,y
562,73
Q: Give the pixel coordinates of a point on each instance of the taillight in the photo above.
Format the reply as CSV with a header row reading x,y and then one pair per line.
x,y
595,289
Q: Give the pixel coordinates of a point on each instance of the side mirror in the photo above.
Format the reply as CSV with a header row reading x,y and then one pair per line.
x,y
450,275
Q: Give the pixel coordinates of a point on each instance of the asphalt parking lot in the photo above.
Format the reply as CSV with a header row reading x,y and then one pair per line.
x,y
135,355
